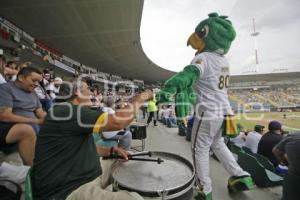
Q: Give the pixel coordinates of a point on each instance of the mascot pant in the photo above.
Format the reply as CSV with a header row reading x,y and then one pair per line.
x,y
206,135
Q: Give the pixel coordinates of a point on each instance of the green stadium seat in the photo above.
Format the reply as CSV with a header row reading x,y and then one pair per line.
x,y
261,176
164,121
181,130
28,186
235,149
248,151
188,134
264,161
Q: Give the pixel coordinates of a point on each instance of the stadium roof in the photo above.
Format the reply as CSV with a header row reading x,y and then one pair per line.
x,y
265,77
98,33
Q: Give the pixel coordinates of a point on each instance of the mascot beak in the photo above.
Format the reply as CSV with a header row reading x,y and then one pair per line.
x,y
196,42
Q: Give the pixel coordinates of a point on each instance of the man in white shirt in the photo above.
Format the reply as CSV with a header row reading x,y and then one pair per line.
x,y
253,138
124,137
6,71
240,139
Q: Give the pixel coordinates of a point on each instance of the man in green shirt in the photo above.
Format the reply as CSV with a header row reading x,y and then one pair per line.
x,y
152,110
66,165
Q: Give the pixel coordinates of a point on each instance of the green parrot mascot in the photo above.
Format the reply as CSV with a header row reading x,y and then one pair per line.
x,y
203,86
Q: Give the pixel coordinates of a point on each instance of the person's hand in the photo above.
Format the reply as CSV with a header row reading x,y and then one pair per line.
x,y
166,94
40,121
121,152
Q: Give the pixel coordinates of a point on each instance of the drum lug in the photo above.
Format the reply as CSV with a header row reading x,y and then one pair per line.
x,y
163,194
115,186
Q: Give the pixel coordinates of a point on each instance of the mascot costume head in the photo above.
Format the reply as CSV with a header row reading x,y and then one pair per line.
x,y
213,34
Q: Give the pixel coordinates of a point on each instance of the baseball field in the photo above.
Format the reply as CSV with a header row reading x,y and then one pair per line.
x,y
290,122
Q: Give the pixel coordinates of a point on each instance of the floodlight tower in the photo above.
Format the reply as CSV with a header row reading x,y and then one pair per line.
x,y
254,35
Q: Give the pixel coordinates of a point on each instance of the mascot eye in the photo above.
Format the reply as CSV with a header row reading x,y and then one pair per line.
x,y
204,32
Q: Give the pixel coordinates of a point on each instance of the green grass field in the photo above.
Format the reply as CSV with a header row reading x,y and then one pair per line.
x,y
249,120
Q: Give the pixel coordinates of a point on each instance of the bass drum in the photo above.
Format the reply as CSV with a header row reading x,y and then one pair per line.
x,y
171,179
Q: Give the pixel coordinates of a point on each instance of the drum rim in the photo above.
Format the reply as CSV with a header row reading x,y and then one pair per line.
x,y
169,191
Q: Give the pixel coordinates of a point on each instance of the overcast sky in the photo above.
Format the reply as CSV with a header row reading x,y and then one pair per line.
x,y
166,25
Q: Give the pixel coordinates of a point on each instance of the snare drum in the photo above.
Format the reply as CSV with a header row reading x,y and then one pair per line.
x,y
171,179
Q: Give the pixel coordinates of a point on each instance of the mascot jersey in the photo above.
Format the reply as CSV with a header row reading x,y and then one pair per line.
x,y
211,88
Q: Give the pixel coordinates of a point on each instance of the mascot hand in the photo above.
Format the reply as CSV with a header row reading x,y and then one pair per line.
x,y
184,101
166,94
180,85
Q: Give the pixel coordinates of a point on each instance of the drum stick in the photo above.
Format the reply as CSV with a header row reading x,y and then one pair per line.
x,y
146,153
158,160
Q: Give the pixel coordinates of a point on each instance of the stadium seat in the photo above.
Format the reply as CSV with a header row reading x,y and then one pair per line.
x,y
139,132
261,159
164,121
9,150
261,176
235,149
248,151
181,130
28,186
188,134
264,161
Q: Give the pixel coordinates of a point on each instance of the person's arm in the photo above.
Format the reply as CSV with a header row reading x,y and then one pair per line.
x,y
40,114
10,71
6,115
279,151
280,155
123,117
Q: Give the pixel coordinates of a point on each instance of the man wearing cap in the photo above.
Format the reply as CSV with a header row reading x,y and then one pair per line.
x,y
269,140
254,137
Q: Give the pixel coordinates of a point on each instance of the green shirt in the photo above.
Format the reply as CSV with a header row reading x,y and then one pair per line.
x,y
152,106
65,156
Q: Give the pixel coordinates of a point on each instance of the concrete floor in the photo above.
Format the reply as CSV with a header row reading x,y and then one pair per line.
x,y
161,138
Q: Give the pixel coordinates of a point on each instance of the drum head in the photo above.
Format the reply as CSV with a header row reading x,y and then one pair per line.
x,y
150,177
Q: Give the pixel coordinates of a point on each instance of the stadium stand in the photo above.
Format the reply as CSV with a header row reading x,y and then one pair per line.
x,y
265,92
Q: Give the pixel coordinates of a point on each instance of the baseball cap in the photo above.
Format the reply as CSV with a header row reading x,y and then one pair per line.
x,y
240,127
258,128
274,125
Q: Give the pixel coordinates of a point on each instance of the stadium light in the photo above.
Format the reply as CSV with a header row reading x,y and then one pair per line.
x,y
254,35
